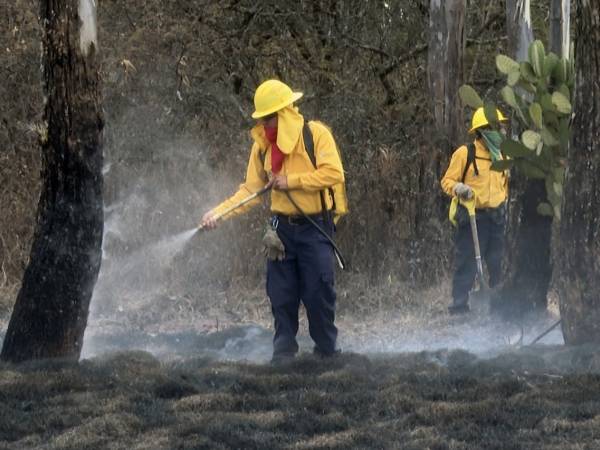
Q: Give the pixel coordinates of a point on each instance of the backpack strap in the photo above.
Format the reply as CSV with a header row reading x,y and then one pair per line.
x,y
471,159
309,145
262,154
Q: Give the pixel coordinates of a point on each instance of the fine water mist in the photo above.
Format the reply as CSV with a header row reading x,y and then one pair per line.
x,y
481,335
167,248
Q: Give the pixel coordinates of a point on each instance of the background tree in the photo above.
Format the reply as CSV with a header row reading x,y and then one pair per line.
x,y
538,93
519,31
50,313
446,43
560,27
579,244
528,249
445,67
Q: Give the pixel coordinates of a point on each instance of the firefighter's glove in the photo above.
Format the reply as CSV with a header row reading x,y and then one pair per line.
x,y
273,247
462,190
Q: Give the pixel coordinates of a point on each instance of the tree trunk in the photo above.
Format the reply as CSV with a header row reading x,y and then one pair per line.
x,y
445,71
579,245
445,67
518,28
530,268
528,246
560,20
51,309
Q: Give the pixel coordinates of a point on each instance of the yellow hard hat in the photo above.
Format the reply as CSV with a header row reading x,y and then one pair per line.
x,y
479,119
271,96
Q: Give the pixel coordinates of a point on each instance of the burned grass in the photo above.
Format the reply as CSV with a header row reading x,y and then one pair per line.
x,y
534,398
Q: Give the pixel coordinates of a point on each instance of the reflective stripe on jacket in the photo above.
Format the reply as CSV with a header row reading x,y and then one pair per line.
x,y
490,186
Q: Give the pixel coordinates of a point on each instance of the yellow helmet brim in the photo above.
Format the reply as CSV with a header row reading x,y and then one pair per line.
x,y
295,96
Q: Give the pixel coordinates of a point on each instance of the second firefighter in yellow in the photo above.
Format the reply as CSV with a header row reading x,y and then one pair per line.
x,y
467,177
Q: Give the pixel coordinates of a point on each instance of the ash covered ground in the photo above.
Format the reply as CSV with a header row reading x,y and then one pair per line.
x,y
408,382
533,397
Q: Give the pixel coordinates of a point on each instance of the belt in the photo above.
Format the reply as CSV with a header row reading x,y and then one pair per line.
x,y
298,219
492,209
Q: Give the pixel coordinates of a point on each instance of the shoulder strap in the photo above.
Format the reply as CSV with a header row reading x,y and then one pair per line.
x,y
309,145
470,160
262,154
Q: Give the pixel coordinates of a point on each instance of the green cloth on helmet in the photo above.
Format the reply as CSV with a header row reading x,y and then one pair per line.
x,y
493,139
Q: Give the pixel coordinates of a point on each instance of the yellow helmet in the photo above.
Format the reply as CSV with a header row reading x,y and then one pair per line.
x,y
271,96
479,119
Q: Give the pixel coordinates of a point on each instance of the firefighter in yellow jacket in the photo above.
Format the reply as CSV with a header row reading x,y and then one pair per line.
x,y
469,174
304,268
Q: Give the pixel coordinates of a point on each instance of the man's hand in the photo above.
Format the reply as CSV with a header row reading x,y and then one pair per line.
x,y
208,221
463,191
278,182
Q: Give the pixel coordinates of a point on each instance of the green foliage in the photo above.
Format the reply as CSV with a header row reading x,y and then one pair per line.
x,y
538,92
470,97
514,149
501,165
491,114
531,139
506,65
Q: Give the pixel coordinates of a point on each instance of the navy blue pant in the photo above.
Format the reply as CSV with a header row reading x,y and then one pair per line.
x,y
306,274
490,228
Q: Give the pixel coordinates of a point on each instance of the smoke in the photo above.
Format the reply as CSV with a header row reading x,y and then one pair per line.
x,y
87,33
154,264
483,335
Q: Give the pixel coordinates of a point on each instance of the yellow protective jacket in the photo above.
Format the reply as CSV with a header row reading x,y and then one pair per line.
x,y
490,187
304,181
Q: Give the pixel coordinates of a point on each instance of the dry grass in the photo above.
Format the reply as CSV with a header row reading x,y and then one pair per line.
x,y
131,400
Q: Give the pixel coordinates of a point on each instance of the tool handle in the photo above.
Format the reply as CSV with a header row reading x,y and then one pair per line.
x,y
238,204
469,204
473,221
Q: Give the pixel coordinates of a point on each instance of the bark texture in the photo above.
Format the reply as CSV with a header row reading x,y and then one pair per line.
x,y
529,250
50,313
445,66
445,74
518,28
579,253
560,22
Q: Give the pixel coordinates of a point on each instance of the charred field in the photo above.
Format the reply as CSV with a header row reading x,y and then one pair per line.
x,y
178,343
532,397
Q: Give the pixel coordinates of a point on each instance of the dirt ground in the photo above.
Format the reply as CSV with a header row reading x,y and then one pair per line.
x,y
192,390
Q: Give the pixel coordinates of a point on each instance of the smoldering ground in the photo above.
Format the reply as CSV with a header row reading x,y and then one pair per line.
x,y
543,397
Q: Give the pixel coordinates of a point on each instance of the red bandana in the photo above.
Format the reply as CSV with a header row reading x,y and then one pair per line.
x,y
276,154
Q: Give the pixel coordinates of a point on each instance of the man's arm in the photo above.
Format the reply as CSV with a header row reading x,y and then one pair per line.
x,y
453,175
256,179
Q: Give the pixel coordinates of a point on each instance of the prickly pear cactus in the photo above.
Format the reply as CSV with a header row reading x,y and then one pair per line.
x,y
538,92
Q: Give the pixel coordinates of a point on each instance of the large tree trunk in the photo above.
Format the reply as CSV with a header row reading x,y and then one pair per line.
x,y
560,21
445,71
528,247
445,67
50,313
530,234
579,248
